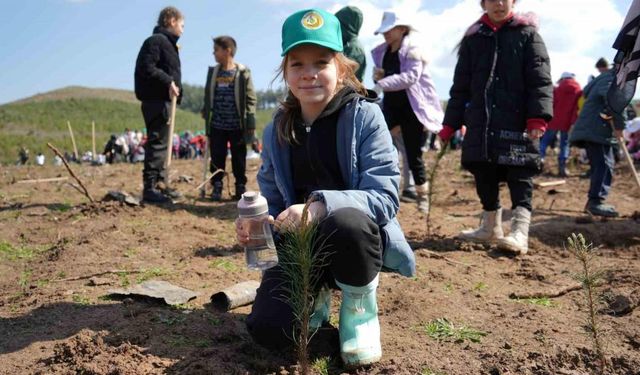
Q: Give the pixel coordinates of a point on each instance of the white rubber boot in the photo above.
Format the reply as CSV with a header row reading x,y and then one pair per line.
x,y
489,231
423,202
359,325
517,241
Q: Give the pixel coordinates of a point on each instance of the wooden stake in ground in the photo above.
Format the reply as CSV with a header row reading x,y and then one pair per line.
x,y
86,192
37,180
73,141
205,168
623,146
172,124
93,140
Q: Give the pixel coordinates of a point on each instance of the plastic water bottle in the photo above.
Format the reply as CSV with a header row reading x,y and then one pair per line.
x,y
260,251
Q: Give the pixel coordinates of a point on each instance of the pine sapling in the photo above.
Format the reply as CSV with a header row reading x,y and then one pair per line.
x,y
431,178
302,259
590,278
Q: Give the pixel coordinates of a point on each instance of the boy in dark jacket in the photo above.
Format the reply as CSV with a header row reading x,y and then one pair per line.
x,y
593,133
502,92
229,111
157,81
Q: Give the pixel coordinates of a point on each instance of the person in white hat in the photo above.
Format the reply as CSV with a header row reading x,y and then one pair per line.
x,y
411,106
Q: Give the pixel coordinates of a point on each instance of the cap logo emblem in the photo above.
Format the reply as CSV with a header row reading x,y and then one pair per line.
x,y
312,21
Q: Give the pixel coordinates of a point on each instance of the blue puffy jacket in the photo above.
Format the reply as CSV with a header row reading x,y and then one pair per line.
x,y
590,127
369,166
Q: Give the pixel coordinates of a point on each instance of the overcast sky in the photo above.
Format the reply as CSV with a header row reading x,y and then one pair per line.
x,y
50,44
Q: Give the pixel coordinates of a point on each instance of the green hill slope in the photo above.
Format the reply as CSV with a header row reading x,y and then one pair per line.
x,y
43,118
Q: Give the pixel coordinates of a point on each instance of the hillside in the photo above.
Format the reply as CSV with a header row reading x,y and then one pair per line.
x,y
43,118
71,92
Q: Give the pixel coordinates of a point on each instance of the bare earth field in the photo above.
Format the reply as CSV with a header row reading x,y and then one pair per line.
x,y
48,233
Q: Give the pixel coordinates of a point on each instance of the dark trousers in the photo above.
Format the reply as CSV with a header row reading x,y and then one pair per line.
x,y
488,177
156,115
601,160
218,146
355,245
413,136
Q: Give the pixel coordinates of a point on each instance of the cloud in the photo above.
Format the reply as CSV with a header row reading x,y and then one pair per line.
x,y
576,32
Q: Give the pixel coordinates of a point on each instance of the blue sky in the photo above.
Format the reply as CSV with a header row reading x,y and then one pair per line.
x,y
50,44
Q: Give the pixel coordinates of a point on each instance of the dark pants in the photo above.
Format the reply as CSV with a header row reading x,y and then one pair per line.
x,y
601,160
488,177
413,136
218,147
156,115
354,243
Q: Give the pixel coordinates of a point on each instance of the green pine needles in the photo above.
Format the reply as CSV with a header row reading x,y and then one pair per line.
x,y
302,258
590,278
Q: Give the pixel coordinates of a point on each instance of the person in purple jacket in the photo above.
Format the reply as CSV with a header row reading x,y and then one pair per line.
x,y
410,105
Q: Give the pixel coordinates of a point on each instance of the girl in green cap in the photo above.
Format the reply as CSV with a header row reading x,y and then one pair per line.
x,y
329,145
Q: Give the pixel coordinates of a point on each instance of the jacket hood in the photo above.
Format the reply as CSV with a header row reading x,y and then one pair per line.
x,y
350,19
518,19
163,30
338,101
568,85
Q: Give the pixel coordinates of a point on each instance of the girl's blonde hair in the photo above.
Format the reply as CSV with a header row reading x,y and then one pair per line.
x,y
290,106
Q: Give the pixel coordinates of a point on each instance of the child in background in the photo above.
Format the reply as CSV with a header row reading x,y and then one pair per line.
x,y
411,105
229,112
565,113
502,92
329,145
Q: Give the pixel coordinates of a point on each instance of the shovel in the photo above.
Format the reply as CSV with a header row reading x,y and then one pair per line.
x,y
623,146
172,124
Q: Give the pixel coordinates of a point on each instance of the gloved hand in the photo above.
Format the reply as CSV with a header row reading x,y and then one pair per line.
x,y
446,133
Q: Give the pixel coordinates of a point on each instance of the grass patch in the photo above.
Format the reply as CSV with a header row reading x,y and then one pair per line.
x,y
223,264
544,301
150,274
124,279
442,329
81,300
480,287
14,253
130,253
24,280
448,287
170,320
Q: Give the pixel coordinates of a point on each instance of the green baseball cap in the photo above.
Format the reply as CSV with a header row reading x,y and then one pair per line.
x,y
315,26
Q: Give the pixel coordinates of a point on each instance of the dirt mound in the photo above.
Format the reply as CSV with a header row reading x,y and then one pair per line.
x,y
88,353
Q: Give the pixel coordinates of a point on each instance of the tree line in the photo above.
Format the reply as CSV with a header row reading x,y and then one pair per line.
x,y
193,97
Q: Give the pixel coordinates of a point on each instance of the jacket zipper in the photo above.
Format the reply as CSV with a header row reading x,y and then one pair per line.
x,y
487,106
306,146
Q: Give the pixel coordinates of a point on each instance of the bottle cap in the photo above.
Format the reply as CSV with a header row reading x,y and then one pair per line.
x,y
252,204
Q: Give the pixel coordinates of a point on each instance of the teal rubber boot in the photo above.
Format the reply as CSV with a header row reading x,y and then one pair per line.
x,y
321,309
359,325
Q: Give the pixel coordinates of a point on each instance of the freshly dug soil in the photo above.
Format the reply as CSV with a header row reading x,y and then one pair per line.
x,y
48,233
